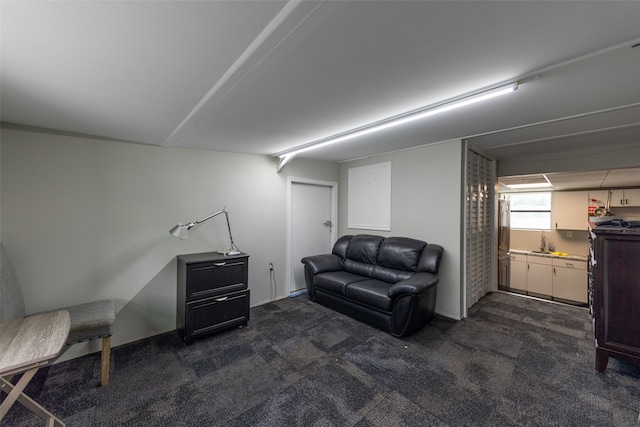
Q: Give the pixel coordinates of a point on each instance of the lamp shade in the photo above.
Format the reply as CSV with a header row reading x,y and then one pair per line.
x,y
181,230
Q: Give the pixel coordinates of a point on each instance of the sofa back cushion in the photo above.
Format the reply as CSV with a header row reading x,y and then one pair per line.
x,y
388,259
340,247
360,268
400,253
360,253
364,248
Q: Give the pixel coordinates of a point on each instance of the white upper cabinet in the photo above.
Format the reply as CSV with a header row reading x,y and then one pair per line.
x,y
629,197
570,210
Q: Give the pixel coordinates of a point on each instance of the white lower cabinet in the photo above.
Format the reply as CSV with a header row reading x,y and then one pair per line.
x,y
549,277
518,272
570,280
539,275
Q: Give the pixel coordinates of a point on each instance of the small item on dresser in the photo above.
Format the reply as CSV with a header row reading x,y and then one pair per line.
x,y
619,223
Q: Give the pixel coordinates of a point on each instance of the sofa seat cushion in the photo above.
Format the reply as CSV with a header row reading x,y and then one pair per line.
x,y
389,275
337,281
374,293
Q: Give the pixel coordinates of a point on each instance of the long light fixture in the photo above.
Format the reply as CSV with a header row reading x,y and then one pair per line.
x,y
400,119
529,186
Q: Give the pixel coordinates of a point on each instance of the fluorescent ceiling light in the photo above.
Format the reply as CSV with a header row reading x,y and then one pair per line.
x,y
530,185
397,120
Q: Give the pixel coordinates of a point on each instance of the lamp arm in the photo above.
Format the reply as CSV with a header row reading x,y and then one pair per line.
x,y
224,211
233,245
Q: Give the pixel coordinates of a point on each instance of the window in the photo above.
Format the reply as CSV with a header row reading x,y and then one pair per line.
x,y
369,197
530,211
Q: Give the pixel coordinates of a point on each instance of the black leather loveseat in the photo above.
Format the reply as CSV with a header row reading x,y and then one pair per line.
x,y
389,283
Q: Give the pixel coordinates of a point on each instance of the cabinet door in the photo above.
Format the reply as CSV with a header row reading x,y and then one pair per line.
x,y
617,198
617,295
571,210
539,279
570,280
518,273
632,197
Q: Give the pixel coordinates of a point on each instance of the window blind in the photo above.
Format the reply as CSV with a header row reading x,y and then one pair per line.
x,y
479,214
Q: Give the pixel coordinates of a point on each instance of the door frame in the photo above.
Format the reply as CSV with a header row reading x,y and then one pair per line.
x,y
334,217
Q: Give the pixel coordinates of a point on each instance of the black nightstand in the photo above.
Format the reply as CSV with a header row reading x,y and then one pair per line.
x,y
212,294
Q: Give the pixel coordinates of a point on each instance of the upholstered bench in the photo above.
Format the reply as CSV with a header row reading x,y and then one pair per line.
x,y
89,321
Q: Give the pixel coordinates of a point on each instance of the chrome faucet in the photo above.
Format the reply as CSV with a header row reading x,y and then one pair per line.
x,y
543,243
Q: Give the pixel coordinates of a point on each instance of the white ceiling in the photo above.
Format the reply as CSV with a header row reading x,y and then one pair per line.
x,y
566,181
266,76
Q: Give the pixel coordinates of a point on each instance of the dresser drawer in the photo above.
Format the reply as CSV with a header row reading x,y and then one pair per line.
x,y
215,277
578,265
542,260
216,314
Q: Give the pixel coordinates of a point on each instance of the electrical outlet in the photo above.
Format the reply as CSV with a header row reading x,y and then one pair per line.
x,y
569,233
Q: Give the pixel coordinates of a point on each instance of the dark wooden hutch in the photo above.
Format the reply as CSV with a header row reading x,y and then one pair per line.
x,y
615,293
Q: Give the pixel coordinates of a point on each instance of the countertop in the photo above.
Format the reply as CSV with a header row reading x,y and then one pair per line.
x,y
547,255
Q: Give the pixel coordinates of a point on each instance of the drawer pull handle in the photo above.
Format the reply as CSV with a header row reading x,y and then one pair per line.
x,y
570,265
222,299
219,264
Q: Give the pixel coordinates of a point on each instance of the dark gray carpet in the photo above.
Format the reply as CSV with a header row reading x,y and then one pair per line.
x,y
514,361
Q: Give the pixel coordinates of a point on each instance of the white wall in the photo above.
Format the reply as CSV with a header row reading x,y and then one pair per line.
x,y
84,219
426,204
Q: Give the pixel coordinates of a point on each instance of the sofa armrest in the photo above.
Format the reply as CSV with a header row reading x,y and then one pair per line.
x,y
322,263
430,258
416,284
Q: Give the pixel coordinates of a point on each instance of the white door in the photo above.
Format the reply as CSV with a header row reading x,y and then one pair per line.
x,y
310,227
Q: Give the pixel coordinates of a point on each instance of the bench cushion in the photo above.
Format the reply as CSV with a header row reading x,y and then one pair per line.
x,y
91,320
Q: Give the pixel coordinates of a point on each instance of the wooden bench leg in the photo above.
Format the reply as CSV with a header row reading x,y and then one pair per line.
x,y
105,358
